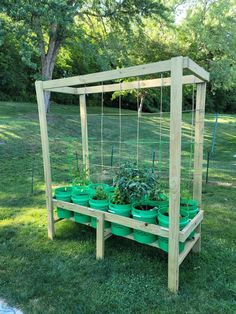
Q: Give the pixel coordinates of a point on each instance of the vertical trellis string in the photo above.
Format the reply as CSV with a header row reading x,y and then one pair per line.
x,y
160,129
192,136
120,125
138,125
102,120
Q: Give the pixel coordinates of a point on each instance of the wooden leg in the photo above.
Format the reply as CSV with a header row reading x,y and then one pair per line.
x,y
46,156
100,238
175,171
173,269
197,247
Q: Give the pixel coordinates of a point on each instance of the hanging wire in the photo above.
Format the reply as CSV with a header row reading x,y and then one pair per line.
x,y
160,128
120,125
192,136
102,122
138,124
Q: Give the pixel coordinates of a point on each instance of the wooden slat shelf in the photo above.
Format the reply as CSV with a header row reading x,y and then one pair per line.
x,y
107,234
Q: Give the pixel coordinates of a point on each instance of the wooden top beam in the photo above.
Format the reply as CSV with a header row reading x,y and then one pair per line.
x,y
166,81
139,70
196,69
187,79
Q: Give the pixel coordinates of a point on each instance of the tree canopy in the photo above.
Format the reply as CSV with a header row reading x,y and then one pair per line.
x,y
59,38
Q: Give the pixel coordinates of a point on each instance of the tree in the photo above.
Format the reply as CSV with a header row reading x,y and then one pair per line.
x,y
208,35
46,24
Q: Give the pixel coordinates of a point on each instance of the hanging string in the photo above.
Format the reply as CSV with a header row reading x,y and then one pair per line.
x,y
138,123
192,136
102,120
120,125
160,128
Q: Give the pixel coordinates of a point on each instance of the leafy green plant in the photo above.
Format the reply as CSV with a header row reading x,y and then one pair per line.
x,y
135,183
100,194
120,197
81,177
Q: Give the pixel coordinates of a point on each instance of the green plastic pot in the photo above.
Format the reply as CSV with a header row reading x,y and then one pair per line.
x,y
64,194
121,210
192,208
81,198
80,189
102,205
148,216
163,219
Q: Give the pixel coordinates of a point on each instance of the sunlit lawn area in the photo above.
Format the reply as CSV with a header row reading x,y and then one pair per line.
x,y
63,276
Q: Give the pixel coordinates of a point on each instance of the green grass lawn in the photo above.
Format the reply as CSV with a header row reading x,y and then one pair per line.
x,y
63,276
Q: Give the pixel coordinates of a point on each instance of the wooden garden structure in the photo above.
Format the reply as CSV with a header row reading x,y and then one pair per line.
x,y
75,85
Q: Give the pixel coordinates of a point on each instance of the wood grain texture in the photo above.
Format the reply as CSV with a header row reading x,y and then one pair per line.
x,y
84,132
138,70
46,156
175,172
198,152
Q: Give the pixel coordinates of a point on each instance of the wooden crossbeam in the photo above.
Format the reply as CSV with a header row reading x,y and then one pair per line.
x,y
150,68
196,69
187,79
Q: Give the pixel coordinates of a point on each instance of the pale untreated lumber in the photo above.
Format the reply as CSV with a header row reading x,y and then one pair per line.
x,y
138,70
84,131
46,156
188,246
125,221
100,236
175,174
166,81
196,69
184,234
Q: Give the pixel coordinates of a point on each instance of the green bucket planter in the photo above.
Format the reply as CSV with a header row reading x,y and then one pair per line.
x,y
102,205
192,208
163,218
121,210
64,194
80,189
81,198
149,215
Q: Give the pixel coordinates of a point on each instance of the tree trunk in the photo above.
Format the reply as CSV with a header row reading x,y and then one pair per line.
x,y
48,60
140,109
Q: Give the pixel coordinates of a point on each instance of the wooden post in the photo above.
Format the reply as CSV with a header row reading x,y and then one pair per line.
x,y
84,131
175,171
198,152
100,237
46,156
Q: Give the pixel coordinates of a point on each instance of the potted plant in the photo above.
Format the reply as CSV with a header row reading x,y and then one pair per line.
x,y
191,207
80,196
81,181
163,218
143,208
100,201
120,205
64,194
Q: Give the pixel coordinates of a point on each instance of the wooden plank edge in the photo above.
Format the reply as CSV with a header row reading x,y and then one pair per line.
x,y
125,221
183,234
188,247
138,70
166,81
196,69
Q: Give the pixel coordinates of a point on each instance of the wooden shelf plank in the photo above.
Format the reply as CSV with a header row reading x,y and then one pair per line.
x,y
184,234
188,246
